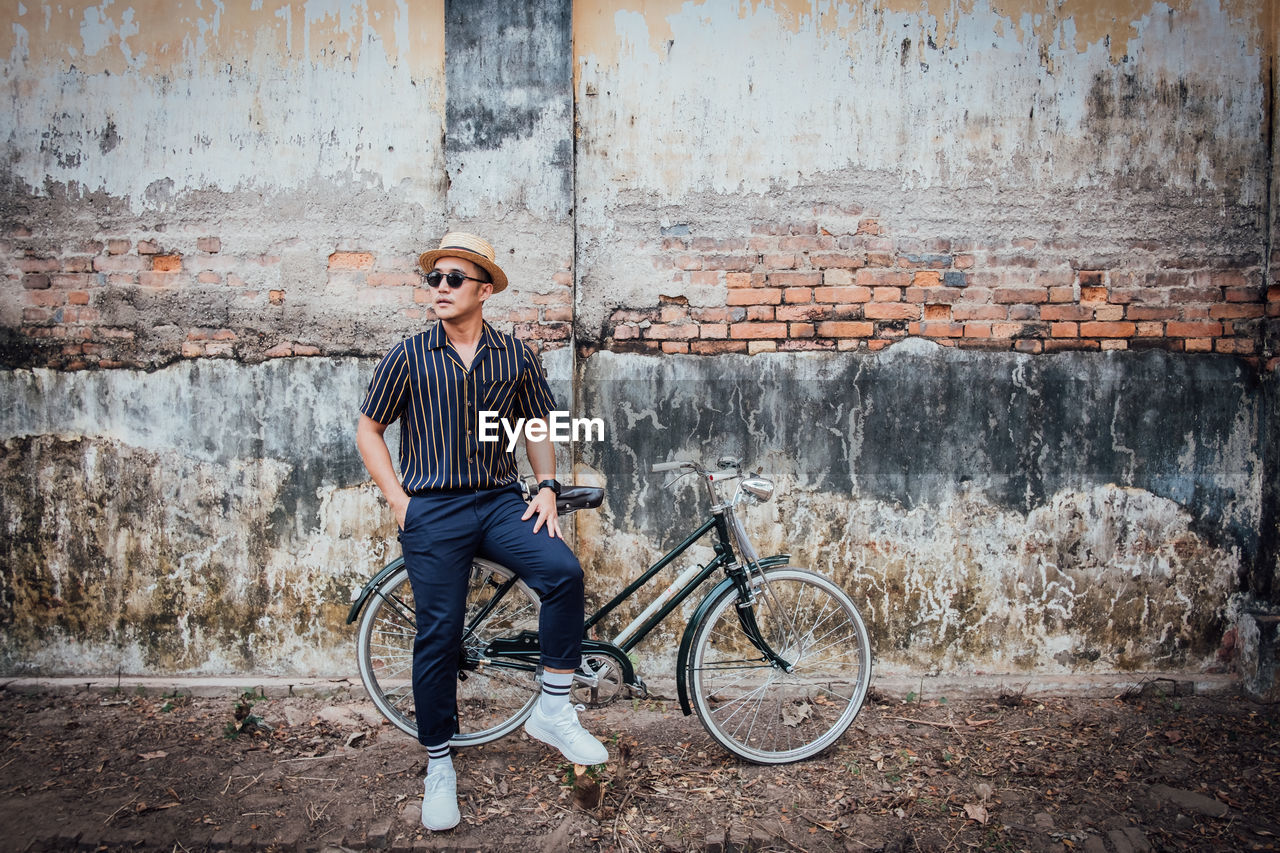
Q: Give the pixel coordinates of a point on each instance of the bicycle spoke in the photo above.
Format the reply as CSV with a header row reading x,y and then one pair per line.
x,y
386,667
828,632
724,666
754,716
741,702
396,639
397,608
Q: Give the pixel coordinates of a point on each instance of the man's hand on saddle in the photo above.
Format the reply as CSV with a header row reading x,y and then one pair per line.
x,y
544,506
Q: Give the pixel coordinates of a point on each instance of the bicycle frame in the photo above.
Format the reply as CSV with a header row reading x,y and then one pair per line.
x,y
724,555
524,647
522,651
764,643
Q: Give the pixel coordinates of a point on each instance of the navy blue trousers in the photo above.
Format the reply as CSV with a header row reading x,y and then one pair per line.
x,y
443,531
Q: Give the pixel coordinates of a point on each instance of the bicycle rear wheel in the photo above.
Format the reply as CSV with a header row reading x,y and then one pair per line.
x,y
494,697
756,709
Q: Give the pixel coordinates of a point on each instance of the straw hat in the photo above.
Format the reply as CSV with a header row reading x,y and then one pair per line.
x,y
469,247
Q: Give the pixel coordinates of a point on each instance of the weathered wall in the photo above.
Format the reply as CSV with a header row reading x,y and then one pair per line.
x,y
990,511
1027,250
153,529
192,197
994,177
186,180
1266,579
150,530
255,180
1017,175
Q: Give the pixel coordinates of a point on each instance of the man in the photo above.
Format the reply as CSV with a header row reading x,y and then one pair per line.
x,y
460,497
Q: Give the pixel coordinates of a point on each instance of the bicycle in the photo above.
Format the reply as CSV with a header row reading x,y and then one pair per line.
x,y
775,660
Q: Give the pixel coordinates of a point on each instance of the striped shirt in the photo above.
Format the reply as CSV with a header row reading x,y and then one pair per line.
x,y
423,382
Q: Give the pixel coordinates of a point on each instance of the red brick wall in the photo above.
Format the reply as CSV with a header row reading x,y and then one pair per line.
x,y
118,301
786,287
800,286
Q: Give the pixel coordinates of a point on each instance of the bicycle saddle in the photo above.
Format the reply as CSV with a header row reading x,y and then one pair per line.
x,y
573,498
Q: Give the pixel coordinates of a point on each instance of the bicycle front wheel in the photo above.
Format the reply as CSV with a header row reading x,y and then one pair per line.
x,y
494,697
754,707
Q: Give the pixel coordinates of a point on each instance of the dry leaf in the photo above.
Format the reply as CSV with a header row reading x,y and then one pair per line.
x,y
976,812
794,715
147,756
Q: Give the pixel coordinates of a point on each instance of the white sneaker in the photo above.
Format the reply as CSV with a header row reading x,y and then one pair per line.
x,y
440,801
565,733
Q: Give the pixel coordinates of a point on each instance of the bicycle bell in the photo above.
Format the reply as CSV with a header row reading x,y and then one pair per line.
x,y
758,487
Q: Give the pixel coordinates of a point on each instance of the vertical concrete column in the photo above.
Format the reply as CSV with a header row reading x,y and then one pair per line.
x,y
509,110
1271,125
509,160
509,164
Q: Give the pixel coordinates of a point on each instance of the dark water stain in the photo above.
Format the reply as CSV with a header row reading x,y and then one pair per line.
x,y
113,546
1169,130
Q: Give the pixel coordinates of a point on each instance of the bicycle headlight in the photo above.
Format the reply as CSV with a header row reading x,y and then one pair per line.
x,y
758,487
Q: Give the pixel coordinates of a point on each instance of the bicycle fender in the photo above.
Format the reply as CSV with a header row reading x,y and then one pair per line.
x,y
374,583
686,641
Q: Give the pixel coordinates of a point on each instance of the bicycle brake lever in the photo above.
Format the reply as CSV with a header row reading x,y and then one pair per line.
x,y
677,478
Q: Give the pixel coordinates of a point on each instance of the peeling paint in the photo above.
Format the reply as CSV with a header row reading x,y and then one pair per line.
x,y
187,96
153,528
177,36
1081,24
510,110
1092,581
148,529
885,88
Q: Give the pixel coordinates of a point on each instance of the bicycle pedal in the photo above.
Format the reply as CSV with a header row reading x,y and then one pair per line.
x,y
638,690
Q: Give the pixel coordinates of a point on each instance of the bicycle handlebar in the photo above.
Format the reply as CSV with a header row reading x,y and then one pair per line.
x,y
659,467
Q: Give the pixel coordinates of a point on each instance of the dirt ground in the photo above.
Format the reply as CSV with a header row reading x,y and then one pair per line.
x,y
1145,771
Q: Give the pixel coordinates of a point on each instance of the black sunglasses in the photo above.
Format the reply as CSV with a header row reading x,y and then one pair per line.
x,y
454,278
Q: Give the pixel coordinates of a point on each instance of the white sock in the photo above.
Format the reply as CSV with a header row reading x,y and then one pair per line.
x,y
555,692
438,759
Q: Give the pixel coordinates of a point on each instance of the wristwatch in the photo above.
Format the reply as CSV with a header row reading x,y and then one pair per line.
x,y
553,485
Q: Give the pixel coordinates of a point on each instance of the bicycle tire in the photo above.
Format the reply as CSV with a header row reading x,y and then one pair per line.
x,y
492,699
755,709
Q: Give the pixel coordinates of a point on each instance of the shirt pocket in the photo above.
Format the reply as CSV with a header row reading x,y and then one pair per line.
x,y
497,394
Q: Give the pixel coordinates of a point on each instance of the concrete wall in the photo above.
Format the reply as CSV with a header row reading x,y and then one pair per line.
x,y
988,286
186,180
998,512
1028,176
